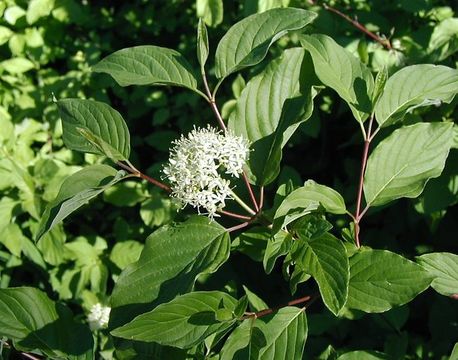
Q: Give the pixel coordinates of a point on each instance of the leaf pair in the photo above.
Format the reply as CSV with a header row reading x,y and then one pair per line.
x,y
409,88
33,321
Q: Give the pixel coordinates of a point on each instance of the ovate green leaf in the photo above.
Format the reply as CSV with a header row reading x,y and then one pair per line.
x,y
148,65
415,86
246,43
125,253
337,68
211,11
17,65
443,267
5,34
444,40
269,110
278,336
380,280
326,260
255,302
33,321
38,9
183,322
401,164
171,260
94,127
75,192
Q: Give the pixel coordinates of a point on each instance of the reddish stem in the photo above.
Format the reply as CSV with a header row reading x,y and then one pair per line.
x,y
309,299
144,176
358,214
385,42
250,191
212,103
234,215
238,227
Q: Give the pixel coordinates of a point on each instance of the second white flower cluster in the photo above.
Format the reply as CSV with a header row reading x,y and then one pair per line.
x,y
196,166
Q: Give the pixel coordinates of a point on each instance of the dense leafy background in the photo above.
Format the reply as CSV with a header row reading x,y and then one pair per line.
x,y
46,51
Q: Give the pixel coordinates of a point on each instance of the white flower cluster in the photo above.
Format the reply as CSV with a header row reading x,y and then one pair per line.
x,y
98,316
196,162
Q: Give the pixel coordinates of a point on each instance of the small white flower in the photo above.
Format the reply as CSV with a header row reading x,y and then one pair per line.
x,y
195,165
99,316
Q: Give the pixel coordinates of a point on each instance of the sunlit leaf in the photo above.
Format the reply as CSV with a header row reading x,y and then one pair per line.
x,y
444,269
281,335
246,43
94,127
339,69
326,260
148,65
380,280
75,192
415,86
401,164
33,321
270,108
183,322
171,260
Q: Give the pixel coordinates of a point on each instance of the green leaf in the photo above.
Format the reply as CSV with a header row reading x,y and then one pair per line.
x,y
269,110
148,65
5,34
211,11
380,81
12,238
38,9
125,253
363,355
293,207
278,336
330,199
94,127
415,86
51,245
402,163
76,191
444,40
443,267
13,13
171,260
311,226
380,280
454,354
246,43
339,69
17,65
127,193
264,5
202,43
326,260
33,321
306,199
277,246
183,322
252,242
256,303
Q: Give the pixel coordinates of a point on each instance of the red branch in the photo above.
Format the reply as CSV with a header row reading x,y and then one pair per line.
x,y
309,299
385,42
144,176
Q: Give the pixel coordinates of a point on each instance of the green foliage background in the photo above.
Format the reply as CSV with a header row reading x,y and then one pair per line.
x,y
47,49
